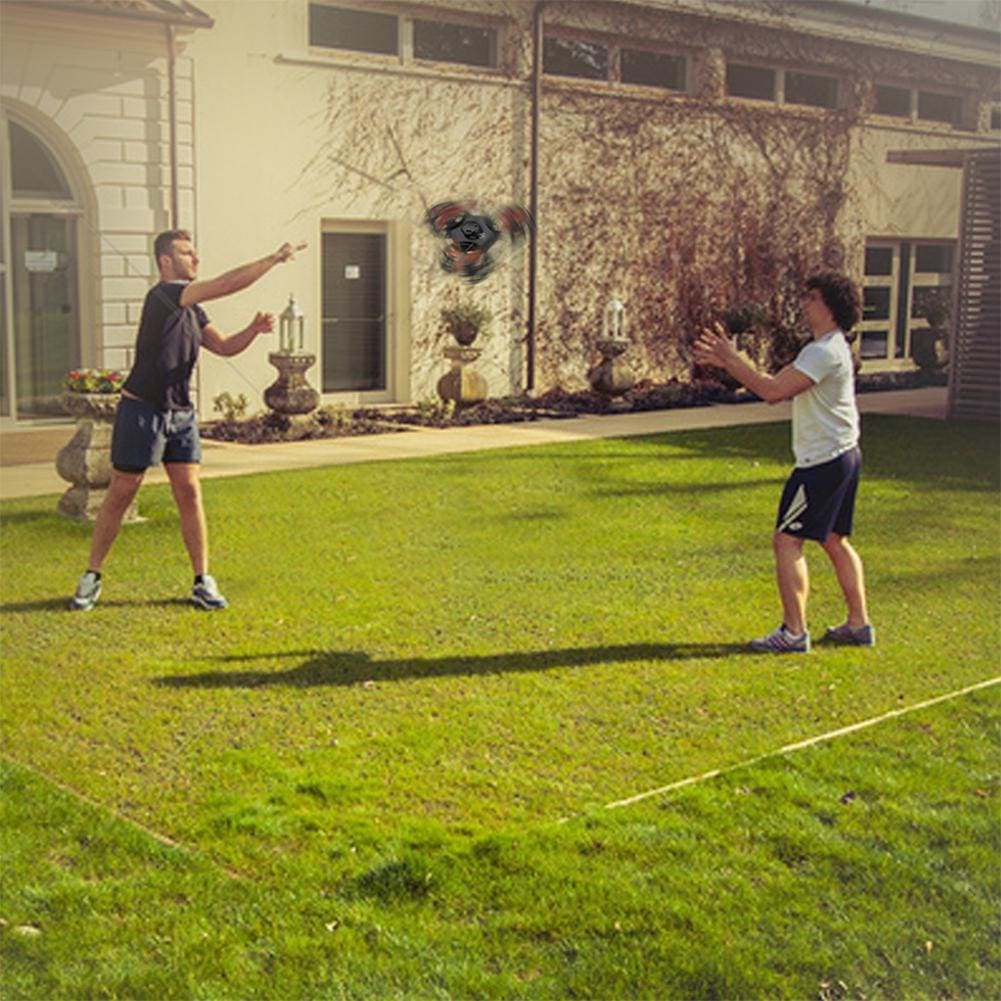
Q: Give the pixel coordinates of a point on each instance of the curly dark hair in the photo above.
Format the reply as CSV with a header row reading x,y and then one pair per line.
x,y
840,295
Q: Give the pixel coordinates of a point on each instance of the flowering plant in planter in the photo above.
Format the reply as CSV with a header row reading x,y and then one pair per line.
x,y
94,380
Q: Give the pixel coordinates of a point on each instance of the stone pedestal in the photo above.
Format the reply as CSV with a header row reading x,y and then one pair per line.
x,y
86,460
612,375
290,393
462,384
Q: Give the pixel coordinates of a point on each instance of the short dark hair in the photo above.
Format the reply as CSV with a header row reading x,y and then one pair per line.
x,y
840,295
164,243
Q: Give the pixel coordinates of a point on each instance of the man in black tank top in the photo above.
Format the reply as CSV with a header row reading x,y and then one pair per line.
x,y
156,421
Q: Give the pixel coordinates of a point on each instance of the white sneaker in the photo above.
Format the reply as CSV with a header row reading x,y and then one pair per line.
x,y
782,641
206,595
87,592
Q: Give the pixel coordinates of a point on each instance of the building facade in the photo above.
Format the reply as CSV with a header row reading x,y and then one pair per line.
x,y
688,155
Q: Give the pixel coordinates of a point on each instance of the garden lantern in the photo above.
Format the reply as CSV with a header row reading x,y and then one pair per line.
x,y
612,376
292,326
613,324
290,393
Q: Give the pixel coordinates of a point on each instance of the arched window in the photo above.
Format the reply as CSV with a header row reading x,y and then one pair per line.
x,y
39,294
34,173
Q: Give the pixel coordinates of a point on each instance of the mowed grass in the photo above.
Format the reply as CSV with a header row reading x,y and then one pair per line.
x,y
388,760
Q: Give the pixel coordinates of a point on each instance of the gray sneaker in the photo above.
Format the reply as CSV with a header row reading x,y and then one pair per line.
x,y
206,595
87,593
782,641
863,636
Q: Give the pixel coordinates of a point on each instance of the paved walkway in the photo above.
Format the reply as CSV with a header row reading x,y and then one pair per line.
x,y
27,458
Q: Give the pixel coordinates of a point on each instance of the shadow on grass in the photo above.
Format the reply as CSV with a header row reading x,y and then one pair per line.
x,y
61,604
350,667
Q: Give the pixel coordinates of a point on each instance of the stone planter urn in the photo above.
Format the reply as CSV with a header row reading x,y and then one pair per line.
x,y
290,393
85,461
461,383
612,376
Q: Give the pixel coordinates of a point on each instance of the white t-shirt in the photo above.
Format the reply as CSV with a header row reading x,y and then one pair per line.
x,y
824,417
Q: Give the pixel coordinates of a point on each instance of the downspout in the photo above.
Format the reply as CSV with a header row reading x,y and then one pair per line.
x,y
172,114
533,251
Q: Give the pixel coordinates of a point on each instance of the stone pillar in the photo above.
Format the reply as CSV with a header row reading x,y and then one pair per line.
x,y
290,393
86,460
462,383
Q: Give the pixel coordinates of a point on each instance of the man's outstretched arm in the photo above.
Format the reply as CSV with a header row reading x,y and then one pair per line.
x,y
714,348
219,344
237,279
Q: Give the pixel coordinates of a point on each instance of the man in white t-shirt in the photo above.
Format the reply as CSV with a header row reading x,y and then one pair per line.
x,y
818,501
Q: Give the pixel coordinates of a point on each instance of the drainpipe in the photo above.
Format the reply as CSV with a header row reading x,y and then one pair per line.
x,y
172,114
533,251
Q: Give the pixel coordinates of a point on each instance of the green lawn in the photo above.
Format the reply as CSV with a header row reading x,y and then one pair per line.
x,y
387,762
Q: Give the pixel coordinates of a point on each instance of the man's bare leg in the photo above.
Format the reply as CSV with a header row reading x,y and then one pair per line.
x,y
851,577
121,492
187,490
793,580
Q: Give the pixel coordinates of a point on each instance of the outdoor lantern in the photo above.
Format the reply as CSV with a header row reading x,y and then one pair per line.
x,y
292,323
614,322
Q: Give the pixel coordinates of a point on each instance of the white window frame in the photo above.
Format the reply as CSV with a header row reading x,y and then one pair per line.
x,y
930,279
912,117
405,37
780,85
615,45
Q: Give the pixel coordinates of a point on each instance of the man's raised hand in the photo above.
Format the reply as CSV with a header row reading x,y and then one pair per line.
x,y
713,346
288,250
263,323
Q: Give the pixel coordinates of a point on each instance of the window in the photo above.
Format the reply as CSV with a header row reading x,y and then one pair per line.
x,y
933,258
945,108
39,277
590,60
763,83
34,174
809,88
750,81
908,288
653,69
995,119
455,43
894,101
879,260
564,57
357,30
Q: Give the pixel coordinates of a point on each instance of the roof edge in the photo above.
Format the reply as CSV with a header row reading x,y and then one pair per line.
x,y
177,12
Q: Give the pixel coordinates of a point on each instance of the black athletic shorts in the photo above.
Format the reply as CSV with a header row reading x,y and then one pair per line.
x,y
820,499
144,436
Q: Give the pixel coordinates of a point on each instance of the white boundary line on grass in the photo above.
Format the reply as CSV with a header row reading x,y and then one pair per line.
x,y
123,818
800,744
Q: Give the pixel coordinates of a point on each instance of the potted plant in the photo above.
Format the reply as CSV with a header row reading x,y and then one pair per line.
x,y
91,396
928,343
466,321
92,393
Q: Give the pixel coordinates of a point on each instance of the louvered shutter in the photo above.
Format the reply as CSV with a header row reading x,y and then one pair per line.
x,y
975,377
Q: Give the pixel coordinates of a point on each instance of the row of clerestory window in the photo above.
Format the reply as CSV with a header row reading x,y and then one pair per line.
x,y
382,33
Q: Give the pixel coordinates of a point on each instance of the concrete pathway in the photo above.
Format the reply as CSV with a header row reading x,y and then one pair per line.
x,y
27,458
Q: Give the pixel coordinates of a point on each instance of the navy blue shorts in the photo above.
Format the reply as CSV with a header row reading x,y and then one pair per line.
x,y
820,499
145,436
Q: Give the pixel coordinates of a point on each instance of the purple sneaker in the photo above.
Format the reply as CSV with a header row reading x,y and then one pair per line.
x,y
845,634
782,641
